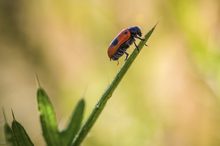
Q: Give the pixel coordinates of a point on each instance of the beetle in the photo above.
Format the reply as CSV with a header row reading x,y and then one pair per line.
x,y
123,41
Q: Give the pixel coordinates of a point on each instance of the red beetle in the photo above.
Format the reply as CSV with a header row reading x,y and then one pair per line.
x,y
122,41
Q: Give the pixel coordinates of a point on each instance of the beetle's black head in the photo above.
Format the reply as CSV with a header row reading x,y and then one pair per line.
x,y
135,31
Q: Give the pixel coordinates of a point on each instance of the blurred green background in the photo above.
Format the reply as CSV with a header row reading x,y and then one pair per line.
x,y
169,97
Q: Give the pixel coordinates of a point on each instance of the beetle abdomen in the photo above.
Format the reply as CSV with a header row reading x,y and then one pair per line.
x,y
120,52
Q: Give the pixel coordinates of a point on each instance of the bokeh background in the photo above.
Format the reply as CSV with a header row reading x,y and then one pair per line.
x,y
169,97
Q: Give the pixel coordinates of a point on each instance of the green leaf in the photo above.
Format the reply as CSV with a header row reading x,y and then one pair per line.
x,y
20,135
84,130
8,132
9,135
48,119
74,124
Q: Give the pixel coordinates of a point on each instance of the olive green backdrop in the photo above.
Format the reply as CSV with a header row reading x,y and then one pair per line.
x,y
170,96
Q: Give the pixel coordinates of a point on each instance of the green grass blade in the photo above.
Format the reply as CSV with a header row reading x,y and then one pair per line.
x,y
74,124
9,135
8,132
20,135
84,130
48,119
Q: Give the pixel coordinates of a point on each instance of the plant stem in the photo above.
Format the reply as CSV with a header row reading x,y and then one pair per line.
x,y
108,93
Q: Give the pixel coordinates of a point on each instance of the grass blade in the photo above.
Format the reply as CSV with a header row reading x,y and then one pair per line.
x,y
20,135
8,132
9,135
74,124
84,130
48,119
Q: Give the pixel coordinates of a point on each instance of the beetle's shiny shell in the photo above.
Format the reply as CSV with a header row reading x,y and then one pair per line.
x,y
121,38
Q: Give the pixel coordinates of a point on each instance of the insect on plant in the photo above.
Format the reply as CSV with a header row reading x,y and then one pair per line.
x,y
123,41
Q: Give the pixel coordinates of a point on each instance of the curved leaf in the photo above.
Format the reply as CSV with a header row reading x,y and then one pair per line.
x,y
48,119
74,124
20,135
8,132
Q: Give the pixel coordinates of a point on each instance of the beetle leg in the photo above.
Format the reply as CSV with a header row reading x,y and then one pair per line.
x,y
117,62
141,40
136,46
126,56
